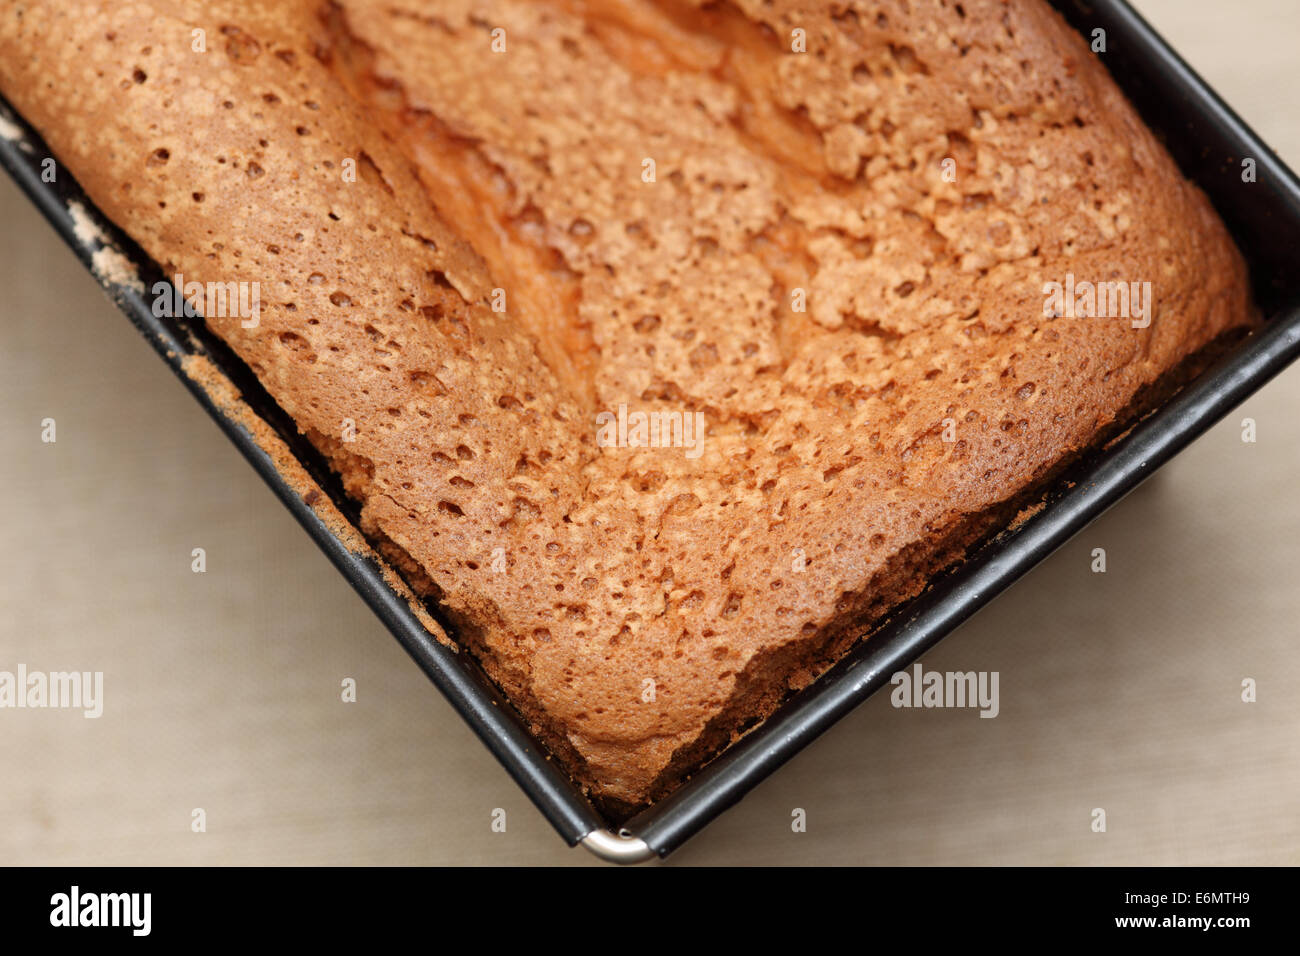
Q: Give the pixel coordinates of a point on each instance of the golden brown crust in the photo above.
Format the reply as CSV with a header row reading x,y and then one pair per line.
x,y
826,491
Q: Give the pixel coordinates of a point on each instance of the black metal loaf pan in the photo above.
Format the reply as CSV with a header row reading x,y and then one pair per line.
x,y
1206,138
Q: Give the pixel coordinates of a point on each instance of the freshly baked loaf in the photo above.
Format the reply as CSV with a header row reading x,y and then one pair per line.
x,y
812,243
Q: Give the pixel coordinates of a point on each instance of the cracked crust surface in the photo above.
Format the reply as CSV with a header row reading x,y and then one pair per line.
x,y
826,492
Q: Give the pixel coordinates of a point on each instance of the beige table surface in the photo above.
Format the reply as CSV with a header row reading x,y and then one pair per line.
x,y
1119,691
